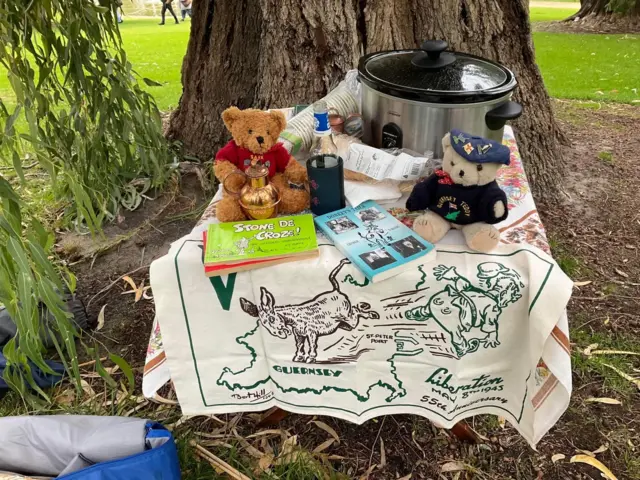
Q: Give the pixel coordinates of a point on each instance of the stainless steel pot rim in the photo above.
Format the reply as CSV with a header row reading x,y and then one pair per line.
x,y
435,96
495,101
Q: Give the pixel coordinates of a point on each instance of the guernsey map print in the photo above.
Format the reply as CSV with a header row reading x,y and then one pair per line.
x,y
450,319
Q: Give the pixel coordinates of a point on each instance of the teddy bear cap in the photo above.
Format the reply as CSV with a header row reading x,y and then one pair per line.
x,y
479,150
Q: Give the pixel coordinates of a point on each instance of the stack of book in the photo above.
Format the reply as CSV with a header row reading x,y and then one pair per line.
x,y
239,246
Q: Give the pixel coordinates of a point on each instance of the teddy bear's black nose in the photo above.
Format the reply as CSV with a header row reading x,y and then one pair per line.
x,y
260,140
462,173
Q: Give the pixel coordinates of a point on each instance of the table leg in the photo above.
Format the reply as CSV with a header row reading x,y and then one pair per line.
x,y
461,430
272,417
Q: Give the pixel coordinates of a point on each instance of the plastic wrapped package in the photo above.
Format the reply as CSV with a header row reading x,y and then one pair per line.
x,y
298,135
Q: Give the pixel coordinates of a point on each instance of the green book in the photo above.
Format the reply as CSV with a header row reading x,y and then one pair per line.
x,y
229,243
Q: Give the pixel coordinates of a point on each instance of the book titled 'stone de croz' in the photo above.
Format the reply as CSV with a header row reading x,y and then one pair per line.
x,y
375,241
239,246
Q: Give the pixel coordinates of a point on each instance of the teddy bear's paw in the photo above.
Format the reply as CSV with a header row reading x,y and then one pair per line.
x,y
228,210
234,181
498,209
481,237
431,226
293,200
296,173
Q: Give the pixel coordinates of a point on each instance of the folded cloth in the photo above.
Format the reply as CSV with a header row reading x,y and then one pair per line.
x,y
358,192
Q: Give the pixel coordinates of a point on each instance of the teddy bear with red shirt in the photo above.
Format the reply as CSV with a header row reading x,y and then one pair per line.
x,y
255,140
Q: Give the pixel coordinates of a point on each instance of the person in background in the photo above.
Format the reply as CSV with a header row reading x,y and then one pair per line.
x,y
185,8
166,5
119,11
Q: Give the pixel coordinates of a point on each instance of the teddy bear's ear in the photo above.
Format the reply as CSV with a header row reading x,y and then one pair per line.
x,y
279,119
230,115
446,142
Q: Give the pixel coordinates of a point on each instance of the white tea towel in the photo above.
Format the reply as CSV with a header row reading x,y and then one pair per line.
x,y
358,192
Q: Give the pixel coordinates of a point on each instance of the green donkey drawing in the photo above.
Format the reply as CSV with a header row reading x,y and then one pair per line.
x,y
469,313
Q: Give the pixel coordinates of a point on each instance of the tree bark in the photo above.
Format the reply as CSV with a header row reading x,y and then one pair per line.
x,y
259,53
590,7
599,7
275,53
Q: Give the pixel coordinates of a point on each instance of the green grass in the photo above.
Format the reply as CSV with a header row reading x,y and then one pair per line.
x,y
606,157
590,67
569,264
156,52
541,14
584,366
587,67
566,61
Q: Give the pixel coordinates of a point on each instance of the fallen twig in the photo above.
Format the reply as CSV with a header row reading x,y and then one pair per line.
x,y
373,447
92,362
164,401
636,382
217,462
108,287
24,167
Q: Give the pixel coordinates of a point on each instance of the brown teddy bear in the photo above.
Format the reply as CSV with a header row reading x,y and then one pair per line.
x,y
255,139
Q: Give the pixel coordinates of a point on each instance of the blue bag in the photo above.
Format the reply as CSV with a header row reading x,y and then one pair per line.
x,y
159,463
77,447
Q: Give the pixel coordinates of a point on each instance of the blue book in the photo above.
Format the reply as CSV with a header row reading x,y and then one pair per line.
x,y
378,244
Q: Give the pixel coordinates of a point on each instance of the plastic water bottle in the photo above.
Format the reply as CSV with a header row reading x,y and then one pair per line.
x,y
323,147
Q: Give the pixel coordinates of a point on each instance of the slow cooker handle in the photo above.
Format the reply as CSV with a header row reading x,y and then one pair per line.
x,y
432,56
434,48
498,117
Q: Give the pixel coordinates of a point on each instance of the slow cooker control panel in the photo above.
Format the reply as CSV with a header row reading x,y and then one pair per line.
x,y
391,136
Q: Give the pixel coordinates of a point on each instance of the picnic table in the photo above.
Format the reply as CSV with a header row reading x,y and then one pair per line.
x,y
467,334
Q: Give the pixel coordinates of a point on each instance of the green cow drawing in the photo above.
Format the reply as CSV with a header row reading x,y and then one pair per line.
x,y
469,314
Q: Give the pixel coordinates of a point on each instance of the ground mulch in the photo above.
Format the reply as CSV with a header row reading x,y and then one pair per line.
x,y
613,24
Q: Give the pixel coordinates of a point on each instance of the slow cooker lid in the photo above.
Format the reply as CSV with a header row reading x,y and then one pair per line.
x,y
430,70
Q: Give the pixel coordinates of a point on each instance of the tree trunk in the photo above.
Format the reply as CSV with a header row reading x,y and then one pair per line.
x,y
590,7
606,7
276,53
259,53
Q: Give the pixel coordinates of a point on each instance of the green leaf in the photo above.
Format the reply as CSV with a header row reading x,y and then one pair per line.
x,y
45,239
151,83
17,165
71,282
17,251
25,292
44,73
103,373
6,191
8,127
43,264
125,367
16,84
